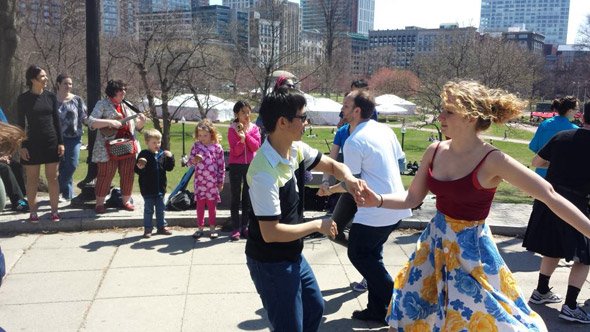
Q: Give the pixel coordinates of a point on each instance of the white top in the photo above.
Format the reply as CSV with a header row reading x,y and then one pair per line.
x,y
372,150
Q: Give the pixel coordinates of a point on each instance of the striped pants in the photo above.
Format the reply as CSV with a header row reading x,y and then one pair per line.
x,y
106,172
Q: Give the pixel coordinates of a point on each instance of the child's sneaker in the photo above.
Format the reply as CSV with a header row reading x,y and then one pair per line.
x,y
549,297
55,217
235,235
198,234
574,315
213,235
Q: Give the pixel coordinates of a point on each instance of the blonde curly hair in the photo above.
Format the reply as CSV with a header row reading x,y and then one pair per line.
x,y
476,101
207,125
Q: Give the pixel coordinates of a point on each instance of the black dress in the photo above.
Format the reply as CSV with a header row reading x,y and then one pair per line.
x,y
38,116
546,233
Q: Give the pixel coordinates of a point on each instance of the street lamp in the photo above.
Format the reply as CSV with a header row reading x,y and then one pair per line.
x,y
184,159
403,135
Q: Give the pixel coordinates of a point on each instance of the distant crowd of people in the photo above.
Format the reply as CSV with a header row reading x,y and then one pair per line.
x,y
455,279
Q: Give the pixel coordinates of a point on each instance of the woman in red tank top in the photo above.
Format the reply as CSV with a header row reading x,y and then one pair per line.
x,y
457,279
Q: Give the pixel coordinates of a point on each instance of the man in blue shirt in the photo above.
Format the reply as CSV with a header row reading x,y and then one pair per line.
x,y
566,108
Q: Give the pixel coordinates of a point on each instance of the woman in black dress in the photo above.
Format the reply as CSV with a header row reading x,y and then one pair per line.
x,y
38,115
567,156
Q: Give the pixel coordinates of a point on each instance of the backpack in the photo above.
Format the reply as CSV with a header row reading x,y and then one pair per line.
x,y
181,201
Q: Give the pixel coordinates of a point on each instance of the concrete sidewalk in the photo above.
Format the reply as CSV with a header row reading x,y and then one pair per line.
x,y
116,281
505,219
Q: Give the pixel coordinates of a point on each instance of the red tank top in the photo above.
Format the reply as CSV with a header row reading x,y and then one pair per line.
x,y
464,198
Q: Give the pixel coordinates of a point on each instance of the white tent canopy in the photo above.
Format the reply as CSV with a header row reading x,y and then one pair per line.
x,y
186,106
322,111
394,105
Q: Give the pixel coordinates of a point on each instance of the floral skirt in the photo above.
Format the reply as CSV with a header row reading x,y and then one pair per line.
x,y
457,281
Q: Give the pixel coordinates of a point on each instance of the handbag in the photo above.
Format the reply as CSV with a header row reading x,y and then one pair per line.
x,y
121,148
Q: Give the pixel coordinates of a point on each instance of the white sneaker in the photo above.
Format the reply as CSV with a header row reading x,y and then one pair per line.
x,y
549,297
574,315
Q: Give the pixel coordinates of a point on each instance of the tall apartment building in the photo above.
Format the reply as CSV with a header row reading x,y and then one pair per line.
x,y
547,17
229,24
155,6
41,11
240,4
407,43
354,16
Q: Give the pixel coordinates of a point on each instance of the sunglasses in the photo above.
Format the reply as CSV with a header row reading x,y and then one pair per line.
x,y
301,117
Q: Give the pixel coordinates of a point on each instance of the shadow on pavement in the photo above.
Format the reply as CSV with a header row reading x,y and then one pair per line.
x,y
255,324
335,304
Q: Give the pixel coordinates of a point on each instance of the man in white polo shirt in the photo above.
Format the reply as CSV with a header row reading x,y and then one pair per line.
x,y
372,152
283,278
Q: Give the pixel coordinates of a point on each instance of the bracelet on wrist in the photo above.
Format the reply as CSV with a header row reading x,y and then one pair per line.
x,y
380,201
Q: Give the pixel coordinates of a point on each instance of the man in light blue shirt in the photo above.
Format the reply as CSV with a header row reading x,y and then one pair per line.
x,y
566,108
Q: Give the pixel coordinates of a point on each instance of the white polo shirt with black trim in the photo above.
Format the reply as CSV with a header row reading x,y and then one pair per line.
x,y
274,196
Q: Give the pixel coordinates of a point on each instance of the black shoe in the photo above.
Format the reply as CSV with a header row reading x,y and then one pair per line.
x,y
365,315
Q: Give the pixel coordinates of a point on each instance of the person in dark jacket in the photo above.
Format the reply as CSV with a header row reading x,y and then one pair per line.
x,y
151,166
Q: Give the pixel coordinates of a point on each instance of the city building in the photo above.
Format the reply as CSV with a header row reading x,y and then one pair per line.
x,y
354,16
240,4
155,6
48,12
406,43
311,47
230,25
265,43
531,41
177,25
546,17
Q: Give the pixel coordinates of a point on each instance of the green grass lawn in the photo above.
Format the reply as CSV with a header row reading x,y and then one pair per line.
x,y
415,142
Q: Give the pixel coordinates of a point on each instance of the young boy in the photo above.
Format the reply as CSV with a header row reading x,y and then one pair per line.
x,y
151,167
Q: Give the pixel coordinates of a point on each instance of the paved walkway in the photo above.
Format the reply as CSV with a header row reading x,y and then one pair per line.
x,y
102,276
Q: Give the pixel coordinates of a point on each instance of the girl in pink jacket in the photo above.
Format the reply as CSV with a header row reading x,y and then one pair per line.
x,y
244,139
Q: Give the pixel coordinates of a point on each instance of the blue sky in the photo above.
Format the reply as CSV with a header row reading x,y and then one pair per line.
x,y
393,14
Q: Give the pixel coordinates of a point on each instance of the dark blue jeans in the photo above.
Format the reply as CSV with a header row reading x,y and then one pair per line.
x,y
289,293
148,211
365,251
68,165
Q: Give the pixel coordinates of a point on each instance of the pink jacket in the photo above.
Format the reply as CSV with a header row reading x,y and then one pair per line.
x,y
243,153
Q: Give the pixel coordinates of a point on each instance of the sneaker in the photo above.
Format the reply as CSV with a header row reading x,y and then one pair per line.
x,y
198,234
163,231
213,235
34,218
128,206
21,206
365,315
55,217
147,234
235,236
549,297
360,286
574,315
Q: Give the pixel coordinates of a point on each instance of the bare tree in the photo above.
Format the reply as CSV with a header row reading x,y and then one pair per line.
x,y
9,41
161,58
584,33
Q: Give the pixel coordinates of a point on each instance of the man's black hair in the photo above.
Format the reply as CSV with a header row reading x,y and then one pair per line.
x,y
284,102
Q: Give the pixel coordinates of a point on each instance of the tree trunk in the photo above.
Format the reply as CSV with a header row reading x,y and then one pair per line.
x,y
8,43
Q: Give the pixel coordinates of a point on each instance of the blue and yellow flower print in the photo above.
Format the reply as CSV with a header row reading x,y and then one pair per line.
x,y
456,280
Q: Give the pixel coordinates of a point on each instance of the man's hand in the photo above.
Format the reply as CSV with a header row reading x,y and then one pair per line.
x,y
328,227
324,190
61,149
355,187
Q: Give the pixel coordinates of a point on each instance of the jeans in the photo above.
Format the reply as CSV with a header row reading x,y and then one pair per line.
x,y
290,294
68,165
365,251
11,186
239,187
148,211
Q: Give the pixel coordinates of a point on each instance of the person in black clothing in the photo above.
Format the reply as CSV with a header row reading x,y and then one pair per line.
x,y
566,155
151,167
38,115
